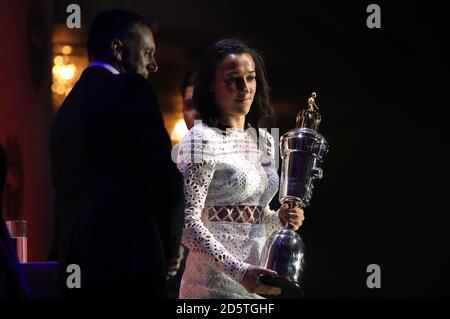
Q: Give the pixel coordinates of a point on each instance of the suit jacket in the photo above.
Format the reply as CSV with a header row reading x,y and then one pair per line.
x,y
119,197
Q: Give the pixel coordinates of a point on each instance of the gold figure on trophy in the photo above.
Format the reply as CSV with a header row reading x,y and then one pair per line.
x,y
309,118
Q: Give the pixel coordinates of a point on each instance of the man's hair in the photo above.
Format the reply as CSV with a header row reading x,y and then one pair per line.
x,y
114,24
261,113
188,80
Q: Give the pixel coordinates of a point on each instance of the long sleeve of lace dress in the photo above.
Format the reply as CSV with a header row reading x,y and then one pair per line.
x,y
196,163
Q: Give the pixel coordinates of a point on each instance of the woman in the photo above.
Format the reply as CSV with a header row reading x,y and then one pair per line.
x,y
230,177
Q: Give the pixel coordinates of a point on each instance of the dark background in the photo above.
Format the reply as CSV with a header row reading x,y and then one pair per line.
x,y
381,96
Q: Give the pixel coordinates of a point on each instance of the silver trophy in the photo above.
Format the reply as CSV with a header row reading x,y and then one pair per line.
x,y
302,150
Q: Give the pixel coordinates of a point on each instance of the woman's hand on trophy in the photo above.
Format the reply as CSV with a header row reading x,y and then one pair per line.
x,y
251,281
293,217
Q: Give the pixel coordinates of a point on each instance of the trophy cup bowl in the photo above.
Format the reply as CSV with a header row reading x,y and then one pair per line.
x,y
302,150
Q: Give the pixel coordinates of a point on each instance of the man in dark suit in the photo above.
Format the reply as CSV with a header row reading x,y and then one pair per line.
x,y
119,197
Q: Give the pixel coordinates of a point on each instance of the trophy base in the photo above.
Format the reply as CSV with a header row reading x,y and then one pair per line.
x,y
289,289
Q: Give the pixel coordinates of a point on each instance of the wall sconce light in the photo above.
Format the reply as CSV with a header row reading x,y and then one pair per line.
x,y
68,63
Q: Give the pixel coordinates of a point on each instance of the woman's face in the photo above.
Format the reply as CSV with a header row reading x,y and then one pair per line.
x,y
234,85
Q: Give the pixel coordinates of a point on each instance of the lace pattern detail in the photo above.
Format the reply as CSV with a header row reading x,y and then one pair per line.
x,y
237,214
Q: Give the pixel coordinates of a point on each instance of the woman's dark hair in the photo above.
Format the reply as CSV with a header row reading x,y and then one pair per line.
x,y
261,114
114,24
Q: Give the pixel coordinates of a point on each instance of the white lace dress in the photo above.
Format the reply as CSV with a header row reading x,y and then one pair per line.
x,y
222,171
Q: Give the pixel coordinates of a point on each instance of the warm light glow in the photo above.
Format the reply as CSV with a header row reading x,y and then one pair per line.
x,y
179,131
67,49
54,87
60,89
64,72
67,71
58,60
69,61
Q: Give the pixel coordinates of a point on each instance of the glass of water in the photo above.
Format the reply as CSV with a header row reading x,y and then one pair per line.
x,y
18,232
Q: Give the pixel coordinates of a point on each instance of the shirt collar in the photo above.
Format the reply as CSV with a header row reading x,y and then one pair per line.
x,y
104,65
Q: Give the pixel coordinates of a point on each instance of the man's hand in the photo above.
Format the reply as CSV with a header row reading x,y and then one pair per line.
x,y
174,264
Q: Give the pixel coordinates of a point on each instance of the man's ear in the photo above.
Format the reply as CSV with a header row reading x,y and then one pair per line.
x,y
117,49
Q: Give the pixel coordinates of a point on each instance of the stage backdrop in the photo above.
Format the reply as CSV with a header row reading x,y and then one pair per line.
x,y
25,118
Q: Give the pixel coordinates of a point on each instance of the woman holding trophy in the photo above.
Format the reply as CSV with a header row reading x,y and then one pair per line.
x,y
227,160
